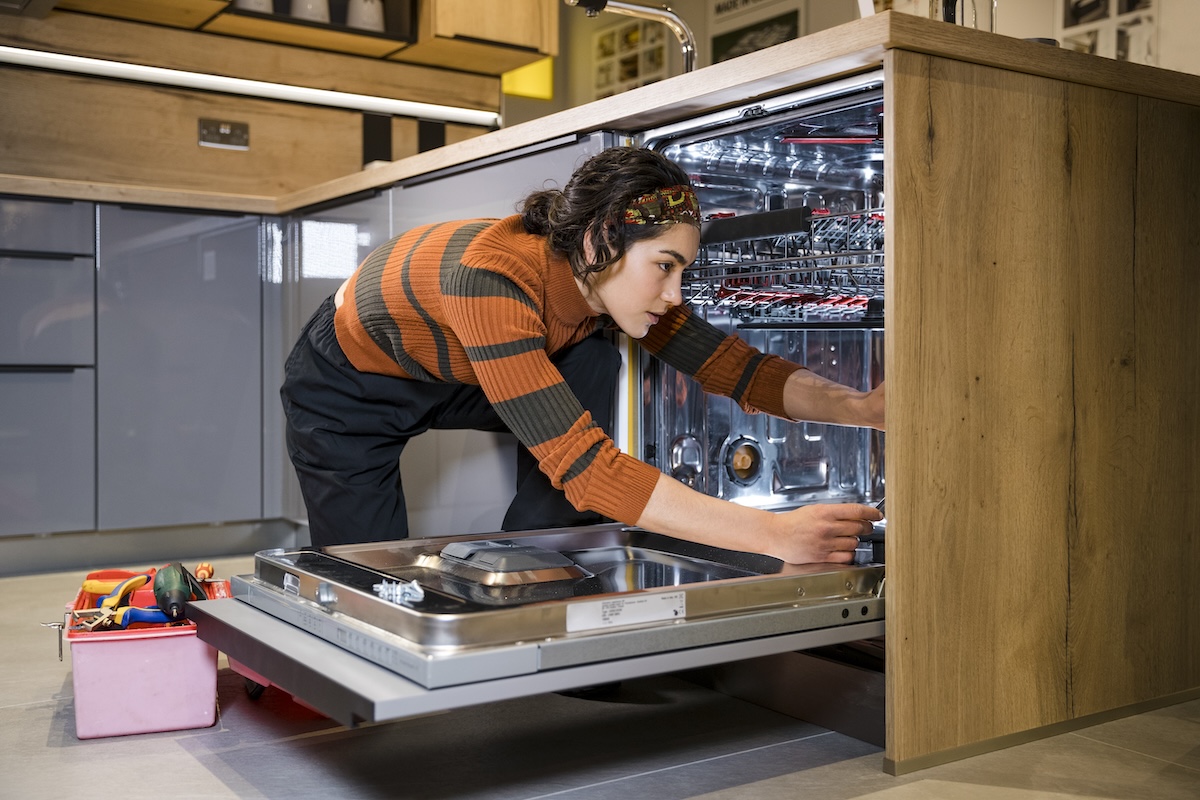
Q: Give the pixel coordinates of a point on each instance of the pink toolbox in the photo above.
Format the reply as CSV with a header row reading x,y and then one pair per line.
x,y
144,678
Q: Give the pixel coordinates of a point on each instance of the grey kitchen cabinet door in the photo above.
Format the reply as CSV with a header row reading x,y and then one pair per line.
x,y
42,225
179,385
47,450
47,310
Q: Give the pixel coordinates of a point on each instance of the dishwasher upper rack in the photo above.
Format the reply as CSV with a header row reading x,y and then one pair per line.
x,y
829,268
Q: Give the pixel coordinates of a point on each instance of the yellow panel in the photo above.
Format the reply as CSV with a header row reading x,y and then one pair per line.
x,y
534,80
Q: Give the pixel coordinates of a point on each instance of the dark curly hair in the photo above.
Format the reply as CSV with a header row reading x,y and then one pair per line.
x,y
593,205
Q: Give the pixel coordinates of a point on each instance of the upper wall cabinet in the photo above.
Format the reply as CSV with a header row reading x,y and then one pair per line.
x,y
326,25
491,38
176,13
374,28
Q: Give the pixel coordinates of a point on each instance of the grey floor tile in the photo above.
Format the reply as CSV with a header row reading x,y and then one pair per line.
x,y
1171,734
1071,763
515,749
739,773
663,738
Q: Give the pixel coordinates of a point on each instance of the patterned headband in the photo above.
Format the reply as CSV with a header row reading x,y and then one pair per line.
x,y
673,204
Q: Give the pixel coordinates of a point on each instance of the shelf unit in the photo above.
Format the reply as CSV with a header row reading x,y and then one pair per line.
x,y
454,34
285,29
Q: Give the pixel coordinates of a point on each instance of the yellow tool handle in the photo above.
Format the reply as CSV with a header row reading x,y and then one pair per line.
x,y
121,593
96,586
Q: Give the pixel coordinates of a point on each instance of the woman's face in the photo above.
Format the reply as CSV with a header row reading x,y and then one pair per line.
x,y
645,283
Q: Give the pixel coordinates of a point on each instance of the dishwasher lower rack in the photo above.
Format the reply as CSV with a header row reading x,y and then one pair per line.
x,y
626,594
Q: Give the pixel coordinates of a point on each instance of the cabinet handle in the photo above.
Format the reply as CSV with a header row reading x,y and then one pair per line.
x,y
39,368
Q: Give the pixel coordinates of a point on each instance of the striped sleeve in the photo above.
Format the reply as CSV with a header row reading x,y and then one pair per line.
x,y
500,324
723,364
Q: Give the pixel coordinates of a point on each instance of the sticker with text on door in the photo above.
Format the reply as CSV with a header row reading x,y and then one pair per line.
x,y
619,611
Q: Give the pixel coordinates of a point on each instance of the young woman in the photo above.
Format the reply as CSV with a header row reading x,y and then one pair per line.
x,y
493,325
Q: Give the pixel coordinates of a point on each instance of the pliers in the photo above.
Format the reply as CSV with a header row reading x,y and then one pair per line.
x,y
113,609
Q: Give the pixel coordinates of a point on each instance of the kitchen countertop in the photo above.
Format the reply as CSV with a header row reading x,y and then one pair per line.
x,y
854,47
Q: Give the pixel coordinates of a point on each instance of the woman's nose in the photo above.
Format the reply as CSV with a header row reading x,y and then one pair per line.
x,y
673,292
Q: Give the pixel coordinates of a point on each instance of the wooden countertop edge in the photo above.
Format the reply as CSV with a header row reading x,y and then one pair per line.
x,y
856,46
136,194
916,34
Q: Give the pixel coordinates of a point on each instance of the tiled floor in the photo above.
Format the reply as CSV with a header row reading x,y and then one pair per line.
x,y
659,737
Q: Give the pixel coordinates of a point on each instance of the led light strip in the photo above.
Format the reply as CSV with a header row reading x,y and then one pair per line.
x,y
262,89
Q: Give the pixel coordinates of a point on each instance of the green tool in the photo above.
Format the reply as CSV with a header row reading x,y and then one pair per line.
x,y
172,590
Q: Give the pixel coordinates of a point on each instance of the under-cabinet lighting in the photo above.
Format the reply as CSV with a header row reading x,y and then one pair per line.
x,y
262,89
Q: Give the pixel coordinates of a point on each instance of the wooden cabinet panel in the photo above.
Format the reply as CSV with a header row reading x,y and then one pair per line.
x,y
176,13
531,24
100,37
1138,453
979,403
315,36
1043,456
123,133
489,38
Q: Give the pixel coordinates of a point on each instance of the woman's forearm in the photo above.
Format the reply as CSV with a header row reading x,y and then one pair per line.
x,y
676,510
807,396
814,533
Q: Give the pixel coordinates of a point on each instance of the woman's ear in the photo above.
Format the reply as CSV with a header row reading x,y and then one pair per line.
x,y
589,247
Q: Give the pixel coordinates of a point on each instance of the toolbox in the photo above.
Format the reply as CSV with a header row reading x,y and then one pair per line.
x,y
144,678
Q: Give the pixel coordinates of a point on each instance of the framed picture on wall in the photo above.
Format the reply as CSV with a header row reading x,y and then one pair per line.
x,y
756,36
628,55
1124,30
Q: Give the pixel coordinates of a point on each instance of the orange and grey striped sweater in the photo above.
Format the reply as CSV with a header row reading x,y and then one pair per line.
x,y
483,302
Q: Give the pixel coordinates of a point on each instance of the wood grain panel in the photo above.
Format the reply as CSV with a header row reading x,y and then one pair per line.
x,y
531,24
177,13
470,56
491,38
68,127
132,42
1044,465
1135,621
979,403
920,35
314,36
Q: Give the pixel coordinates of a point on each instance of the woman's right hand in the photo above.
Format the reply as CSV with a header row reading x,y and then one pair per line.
x,y
819,533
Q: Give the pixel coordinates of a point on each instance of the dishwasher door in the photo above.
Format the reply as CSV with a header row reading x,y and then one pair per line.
x,y
368,633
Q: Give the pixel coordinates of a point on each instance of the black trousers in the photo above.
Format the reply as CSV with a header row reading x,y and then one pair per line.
x,y
346,430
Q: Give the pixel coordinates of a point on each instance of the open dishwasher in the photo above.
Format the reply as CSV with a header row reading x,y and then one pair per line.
x,y
380,631
792,260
